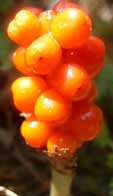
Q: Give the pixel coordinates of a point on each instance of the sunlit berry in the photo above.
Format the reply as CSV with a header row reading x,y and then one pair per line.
x,y
24,28
46,19
71,28
71,81
25,92
52,107
44,54
19,61
35,133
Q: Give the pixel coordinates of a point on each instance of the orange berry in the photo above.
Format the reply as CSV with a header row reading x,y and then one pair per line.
x,y
90,56
86,121
35,133
62,5
44,54
62,143
71,27
71,81
19,61
24,28
45,19
52,107
25,92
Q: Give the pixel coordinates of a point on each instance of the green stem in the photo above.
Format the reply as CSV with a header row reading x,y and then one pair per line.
x,y
61,184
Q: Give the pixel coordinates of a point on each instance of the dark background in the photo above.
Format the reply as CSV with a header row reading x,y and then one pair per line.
x,y
22,169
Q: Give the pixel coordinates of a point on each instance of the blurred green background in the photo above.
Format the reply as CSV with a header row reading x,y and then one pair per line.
x,y
22,169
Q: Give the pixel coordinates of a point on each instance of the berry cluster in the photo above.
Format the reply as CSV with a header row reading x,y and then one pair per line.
x,y
60,58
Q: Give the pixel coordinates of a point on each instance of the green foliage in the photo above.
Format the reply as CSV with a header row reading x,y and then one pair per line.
x,y
104,140
5,52
105,81
5,5
111,187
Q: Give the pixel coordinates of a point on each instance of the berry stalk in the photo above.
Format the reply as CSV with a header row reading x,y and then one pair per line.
x,y
61,183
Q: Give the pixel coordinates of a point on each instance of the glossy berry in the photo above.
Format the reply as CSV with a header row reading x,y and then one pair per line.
x,y
44,54
35,132
62,5
52,107
71,81
46,19
62,143
24,28
90,56
71,27
25,91
19,61
34,10
86,121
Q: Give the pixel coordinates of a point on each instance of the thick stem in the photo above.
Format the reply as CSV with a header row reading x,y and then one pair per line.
x,y
61,184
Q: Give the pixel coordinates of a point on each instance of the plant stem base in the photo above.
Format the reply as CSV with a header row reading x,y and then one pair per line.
x,y
61,183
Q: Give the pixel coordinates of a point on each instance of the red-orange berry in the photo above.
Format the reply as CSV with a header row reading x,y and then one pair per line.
x,y
24,28
71,27
62,143
86,121
44,54
71,81
19,61
52,107
46,19
25,92
62,5
35,133
90,56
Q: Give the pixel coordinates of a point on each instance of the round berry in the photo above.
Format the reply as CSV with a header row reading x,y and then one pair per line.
x,y
86,121
52,107
25,92
46,19
44,54
71,81
24,28
62,143
19,61
90,56
71,27
35,133
62,5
